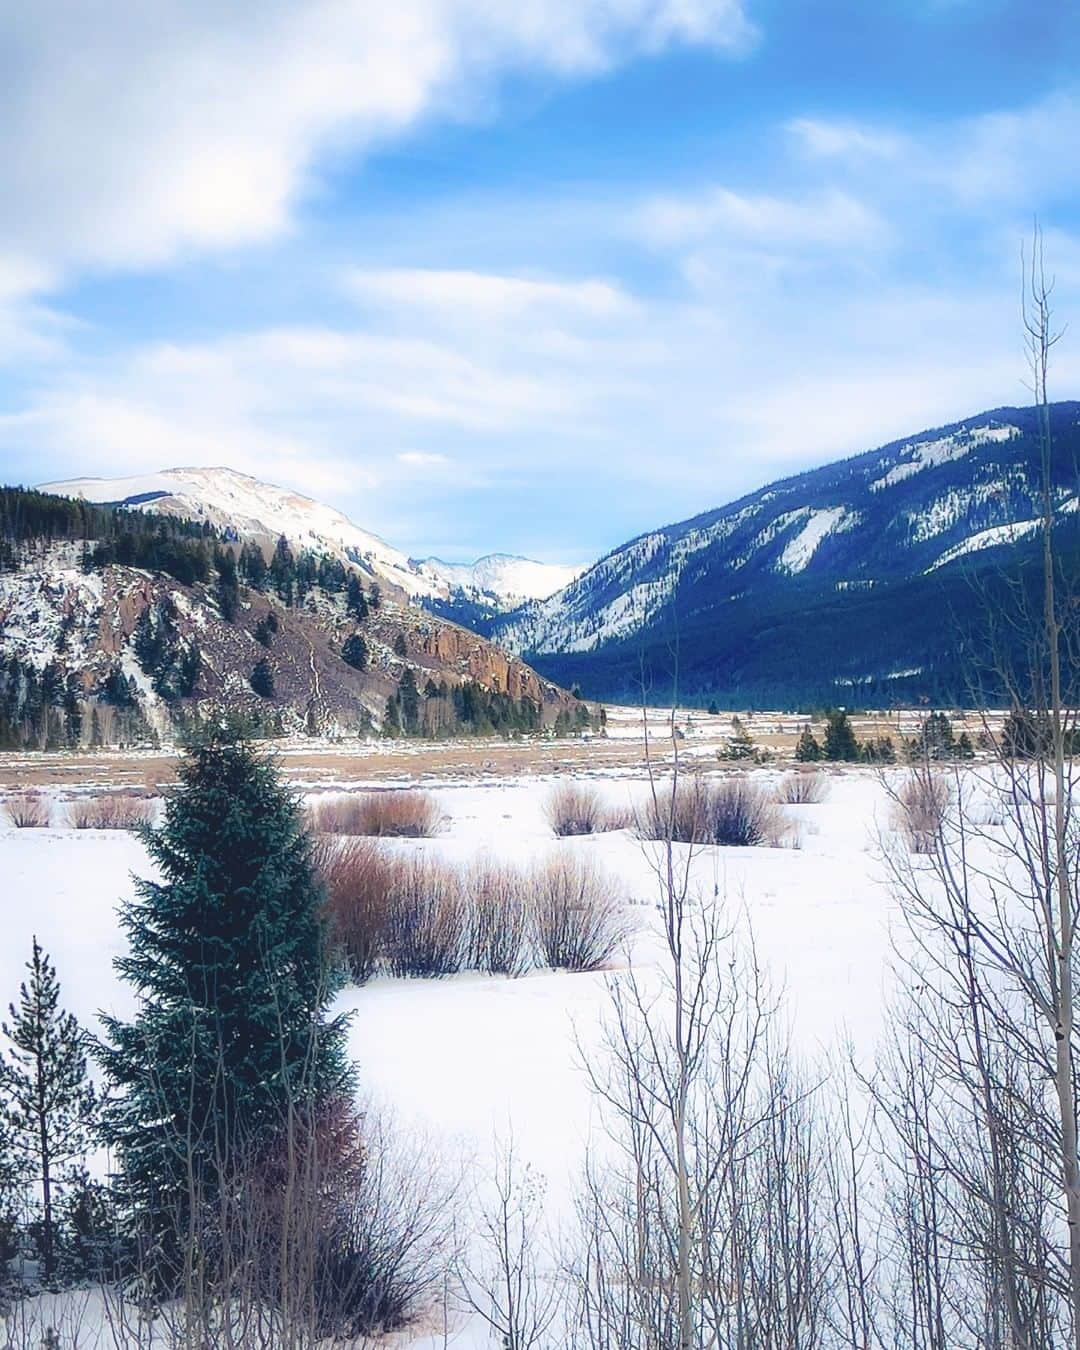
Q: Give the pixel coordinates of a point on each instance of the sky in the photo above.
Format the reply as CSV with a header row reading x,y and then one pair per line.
x,y
531,277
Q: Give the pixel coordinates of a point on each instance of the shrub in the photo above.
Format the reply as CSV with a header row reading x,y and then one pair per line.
x,y
425,930
498,919
578,920
731,811
803,789
357,875
574,808
342,1230
111,812
28,810
922,806
393,814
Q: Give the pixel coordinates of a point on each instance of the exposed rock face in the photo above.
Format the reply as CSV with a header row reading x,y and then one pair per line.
x,y
53,612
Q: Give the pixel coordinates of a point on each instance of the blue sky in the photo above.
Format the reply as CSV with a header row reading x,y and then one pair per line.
x,y
533,277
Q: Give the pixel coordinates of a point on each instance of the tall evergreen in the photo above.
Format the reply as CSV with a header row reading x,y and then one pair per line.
x,y
228,959
49,1101
840,740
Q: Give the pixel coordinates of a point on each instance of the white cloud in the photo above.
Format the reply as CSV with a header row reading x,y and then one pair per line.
x,y
844,139
832,219
467,293
421,459
132,130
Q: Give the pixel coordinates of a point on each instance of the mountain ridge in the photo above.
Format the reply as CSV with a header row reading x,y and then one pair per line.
x,y
883,521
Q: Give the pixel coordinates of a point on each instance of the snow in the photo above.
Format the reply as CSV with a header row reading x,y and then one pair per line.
x,y
506,577
464,1061
928,454
225,497
799,550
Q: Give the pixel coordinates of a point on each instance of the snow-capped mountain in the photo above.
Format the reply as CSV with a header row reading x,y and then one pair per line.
x,y
501,578
903,518
235,501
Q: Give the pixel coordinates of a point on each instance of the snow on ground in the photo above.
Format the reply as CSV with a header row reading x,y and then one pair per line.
x,y
469,1059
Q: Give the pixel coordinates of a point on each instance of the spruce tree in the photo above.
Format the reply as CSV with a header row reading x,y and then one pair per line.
x,y
840,741
807,749
50,1103
262,679
229,961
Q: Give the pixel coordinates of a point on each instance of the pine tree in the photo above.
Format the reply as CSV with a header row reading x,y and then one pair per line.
x,y
356,601
354,652
400,647
229,960
807,749
409,702
840,741
50,1101
262,679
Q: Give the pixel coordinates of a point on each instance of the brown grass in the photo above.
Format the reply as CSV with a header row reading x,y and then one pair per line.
x,y
801,788
578,920
729,811
27,810
922,805
407,814
113,811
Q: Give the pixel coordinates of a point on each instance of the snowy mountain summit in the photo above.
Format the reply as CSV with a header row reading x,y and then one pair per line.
x,y
253,509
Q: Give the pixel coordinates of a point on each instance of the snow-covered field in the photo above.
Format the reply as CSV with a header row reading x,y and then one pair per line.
x,y
472,1058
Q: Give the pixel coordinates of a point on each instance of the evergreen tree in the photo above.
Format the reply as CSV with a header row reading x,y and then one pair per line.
x,y
229,961
228,583
375,596
354,652
409,702
400,647
262,679
50,1102
840,741
355,600
807,749
265,629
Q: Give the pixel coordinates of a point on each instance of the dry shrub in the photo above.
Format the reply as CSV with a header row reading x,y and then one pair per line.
x,y
578,920
922,805
732,811
802,789
392,814
341,1228
426,922
111,812
578,808
28,810
498,916
574,808
357,875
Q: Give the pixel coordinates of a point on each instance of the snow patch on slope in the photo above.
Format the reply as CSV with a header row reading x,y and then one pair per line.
x,y
929,454
799,550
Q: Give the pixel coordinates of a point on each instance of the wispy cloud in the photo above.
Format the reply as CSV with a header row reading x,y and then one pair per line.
x,y
833,219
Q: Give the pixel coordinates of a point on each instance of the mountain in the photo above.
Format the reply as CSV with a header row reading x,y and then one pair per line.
x,y
844,582
118,625
247,508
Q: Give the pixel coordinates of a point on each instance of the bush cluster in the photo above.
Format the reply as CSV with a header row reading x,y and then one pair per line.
x,y
413,915
578,808
391,814
731,811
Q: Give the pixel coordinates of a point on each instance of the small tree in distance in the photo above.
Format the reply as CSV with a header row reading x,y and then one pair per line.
x,y
50,1103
